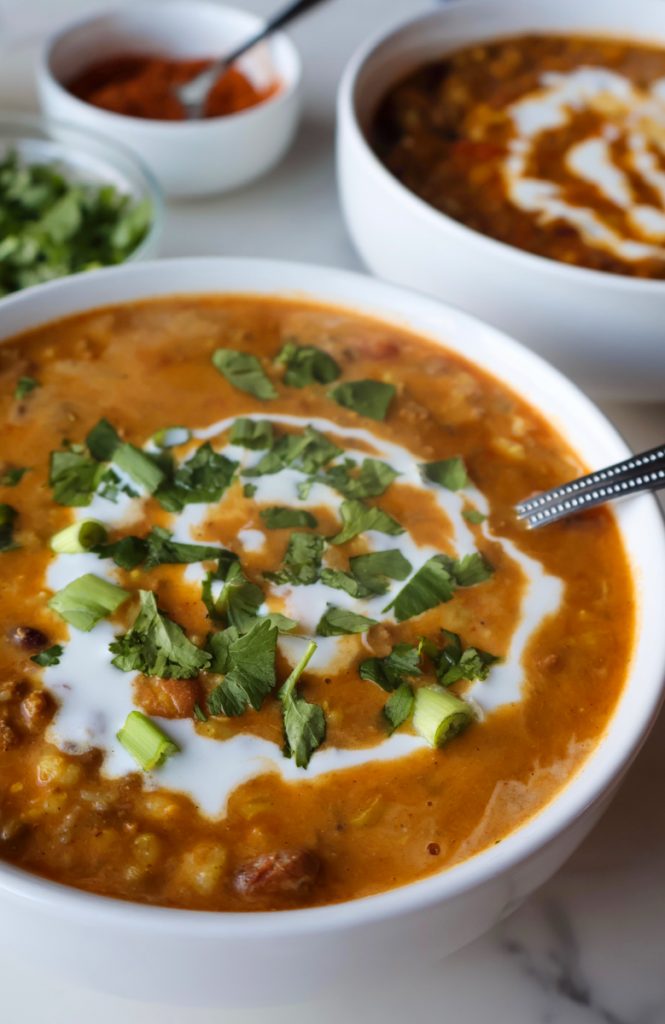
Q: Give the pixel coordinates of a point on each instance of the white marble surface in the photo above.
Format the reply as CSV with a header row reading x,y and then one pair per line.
x,y
589,948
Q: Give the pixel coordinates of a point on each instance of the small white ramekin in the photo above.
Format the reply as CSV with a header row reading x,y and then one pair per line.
x,y
188,158
603,330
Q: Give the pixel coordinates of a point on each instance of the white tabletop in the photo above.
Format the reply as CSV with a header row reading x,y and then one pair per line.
x,y
588,948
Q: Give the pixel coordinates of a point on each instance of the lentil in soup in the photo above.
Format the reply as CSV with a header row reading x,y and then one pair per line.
x,y
270,634
552,144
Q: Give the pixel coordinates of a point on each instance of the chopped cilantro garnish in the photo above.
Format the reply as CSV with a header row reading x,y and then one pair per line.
x,y
471,569
51,656
13,476
307,451
370,398
157,548
358,518
102,441
340,622
157,646
374,569
8,516
249,490
389,672
304,723
199,713
436,582
74,477
127,553
399,707
244,371
145,741
86,600
449,473
255,434
238,600
373,478
454,662
24,386
203,478
302,561
250,671
474,516
307,365
279,518
340,580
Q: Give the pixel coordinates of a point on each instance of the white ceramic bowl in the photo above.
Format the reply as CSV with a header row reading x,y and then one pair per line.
x,y
177,956
604,330
187,157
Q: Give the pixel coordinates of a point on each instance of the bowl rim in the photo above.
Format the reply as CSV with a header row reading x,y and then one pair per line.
x,y
347,117
27,125
584,789
45,73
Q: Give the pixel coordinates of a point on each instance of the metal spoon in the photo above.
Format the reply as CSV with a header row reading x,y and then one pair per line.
x,y
193,94
643,472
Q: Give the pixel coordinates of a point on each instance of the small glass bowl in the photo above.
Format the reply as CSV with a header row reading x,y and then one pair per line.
x,y
85,156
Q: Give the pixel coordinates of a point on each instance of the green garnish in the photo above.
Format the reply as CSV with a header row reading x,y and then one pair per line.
x,y
278,518
249,663
74,477
370,398
171,437
389,672
340,580
79,537
127,553
254,434
102,441
238,601
244,371
304,723
140,466
341,622
307,451
52,226
438,715
25,384
399,707
307,365
13,476
373,478
474,516
358,518
454,662
449,473
157,646
8,516
86,600
202,479
199,713
302,561
145,741
436,582
51,656
249,490
157,548
376,568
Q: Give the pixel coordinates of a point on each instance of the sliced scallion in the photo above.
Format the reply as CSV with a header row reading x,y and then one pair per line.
x,y
142,469
169,437
145,741
86,600
438,715
79,537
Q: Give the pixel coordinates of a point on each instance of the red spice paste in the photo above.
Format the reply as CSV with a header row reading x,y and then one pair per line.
x,y
142,86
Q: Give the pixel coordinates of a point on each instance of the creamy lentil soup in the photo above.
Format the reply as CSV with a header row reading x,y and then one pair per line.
x,y
553,144
271,635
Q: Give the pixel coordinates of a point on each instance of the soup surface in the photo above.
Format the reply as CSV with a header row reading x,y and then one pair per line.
x,y
553,144
194,493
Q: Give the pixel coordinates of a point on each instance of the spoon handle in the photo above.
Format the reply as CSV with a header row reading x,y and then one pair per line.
x,y
643,472
279,20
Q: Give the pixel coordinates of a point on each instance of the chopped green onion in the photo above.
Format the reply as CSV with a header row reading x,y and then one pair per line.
x,y
145,741
86,600
439,715
24,386
169,437
139,466
79,537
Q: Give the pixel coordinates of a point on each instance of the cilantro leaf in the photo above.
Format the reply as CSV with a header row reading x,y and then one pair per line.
x,y
157,548
474,516
279,518
24,386
472,569
218,646
358,518
102,441
373,478
449,473
307,365
344,581
238,600
308,451
341,622
127,552
370,398
304,723
436,582
389,672
255,434
249,490
157,646
51,656
399,707
454,663
13,476
244,371
302,561
8,516
373,569
74,477
203,478
250,671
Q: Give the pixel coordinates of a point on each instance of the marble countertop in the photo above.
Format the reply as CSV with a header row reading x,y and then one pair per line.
x,y
588,948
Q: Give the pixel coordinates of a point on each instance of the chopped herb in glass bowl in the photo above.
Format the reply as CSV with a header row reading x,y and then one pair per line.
x,y
69,202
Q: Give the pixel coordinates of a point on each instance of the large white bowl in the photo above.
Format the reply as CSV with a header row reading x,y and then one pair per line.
x,y
176,956
188,158
604,330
